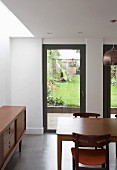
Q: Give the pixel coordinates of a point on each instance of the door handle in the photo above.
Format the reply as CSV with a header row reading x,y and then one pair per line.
x,y
82,93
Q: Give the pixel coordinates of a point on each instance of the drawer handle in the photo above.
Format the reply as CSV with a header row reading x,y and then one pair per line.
x,y
9,128
9,142
9,146
9,132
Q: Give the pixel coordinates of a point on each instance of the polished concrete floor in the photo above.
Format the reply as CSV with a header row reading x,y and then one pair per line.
x,y
39,152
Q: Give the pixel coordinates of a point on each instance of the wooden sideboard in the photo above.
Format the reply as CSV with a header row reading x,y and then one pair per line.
x,y
12,129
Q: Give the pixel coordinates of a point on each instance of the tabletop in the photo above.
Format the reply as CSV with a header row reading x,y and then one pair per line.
x,y
88,126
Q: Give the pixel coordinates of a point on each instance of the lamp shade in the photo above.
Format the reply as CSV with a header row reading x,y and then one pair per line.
x,y
110,57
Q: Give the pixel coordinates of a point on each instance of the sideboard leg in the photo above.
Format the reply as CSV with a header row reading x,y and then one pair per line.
x,y
20,146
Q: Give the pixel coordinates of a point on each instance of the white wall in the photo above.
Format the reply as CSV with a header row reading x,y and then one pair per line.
x,y
26,80
26,76
4,71
9,25
4,60
64,41
94,75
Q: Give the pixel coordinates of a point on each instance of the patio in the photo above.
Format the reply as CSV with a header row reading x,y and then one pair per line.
x,y
53,116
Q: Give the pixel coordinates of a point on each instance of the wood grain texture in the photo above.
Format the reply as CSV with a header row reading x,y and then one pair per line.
x,y
95,115
8,114
12,129
87,126
1,150
9,138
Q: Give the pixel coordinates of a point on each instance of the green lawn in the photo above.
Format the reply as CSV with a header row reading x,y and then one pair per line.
x,y
113,96
69,91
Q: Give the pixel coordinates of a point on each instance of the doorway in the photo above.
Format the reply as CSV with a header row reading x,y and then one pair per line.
x,y
63,82
109,87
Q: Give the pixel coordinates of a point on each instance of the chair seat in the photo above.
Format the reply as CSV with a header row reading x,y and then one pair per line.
x,y
85,168
90,156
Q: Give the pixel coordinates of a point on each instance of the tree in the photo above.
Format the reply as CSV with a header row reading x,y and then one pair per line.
x,y
52,57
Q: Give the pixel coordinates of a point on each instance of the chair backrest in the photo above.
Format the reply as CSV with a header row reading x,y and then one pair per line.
x,y
91,140
86,115
95,141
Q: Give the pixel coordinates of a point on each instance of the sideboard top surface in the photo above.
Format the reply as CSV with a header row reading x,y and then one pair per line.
x,y
8,114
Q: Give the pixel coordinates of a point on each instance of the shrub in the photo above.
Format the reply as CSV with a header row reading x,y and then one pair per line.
x,y
114,81
55,101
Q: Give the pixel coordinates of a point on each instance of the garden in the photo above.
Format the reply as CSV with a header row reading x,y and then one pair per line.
x,y
63,87
65,93
113,86
63,80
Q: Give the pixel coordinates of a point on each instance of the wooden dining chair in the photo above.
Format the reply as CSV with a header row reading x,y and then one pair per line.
x,y
88,155
86,115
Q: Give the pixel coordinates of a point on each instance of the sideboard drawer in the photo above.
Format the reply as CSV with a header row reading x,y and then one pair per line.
x,y
9,138
1,150
9,131
12,128
8,145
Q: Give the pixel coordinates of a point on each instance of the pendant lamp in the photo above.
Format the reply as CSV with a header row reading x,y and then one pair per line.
x,y
110,57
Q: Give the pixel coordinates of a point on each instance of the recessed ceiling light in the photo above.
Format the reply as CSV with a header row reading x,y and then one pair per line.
x,y
80,32
49,32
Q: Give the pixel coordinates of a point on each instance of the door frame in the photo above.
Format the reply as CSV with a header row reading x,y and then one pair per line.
x,y
82,48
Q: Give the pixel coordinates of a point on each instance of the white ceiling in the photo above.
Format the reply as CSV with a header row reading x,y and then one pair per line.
x,y
65,18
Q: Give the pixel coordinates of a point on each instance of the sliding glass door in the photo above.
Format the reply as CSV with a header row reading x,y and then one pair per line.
x,y
110,87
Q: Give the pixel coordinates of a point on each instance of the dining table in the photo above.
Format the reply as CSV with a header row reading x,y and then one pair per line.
x,y
87,126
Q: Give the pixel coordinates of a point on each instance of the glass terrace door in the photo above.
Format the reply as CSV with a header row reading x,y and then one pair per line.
x,y
64,82
110,87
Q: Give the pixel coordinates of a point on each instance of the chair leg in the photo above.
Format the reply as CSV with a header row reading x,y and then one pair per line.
x,y
73,163
107,165
103,165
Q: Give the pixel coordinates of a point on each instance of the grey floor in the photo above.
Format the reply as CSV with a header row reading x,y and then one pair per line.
x,y
39,152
